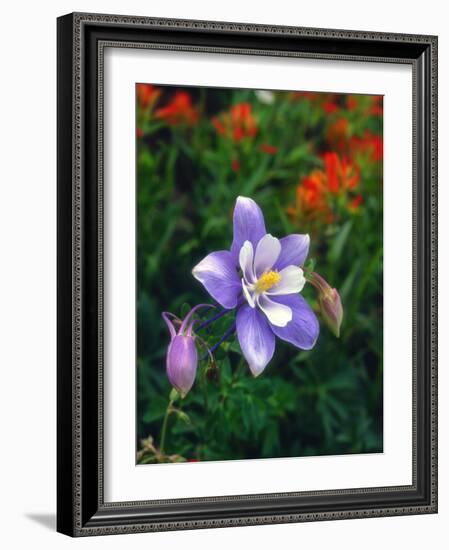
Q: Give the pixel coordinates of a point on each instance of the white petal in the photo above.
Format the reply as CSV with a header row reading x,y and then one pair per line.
x,y
247,294
267,252
246,255
292,281
278,314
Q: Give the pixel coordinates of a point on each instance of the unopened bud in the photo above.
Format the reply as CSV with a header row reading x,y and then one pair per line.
x,y
182,355
330,303
182,362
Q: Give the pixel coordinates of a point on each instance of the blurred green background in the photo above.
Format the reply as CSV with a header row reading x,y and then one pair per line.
x,y
313,163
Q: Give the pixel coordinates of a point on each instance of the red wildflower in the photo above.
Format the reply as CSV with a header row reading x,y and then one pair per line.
x,y
341,174
311,202
337,134
330,107
316,192
269,149
331,162
147,94
219,126
355,203
179,111
377,106
370,145
352,102
237,124
139,132
235,165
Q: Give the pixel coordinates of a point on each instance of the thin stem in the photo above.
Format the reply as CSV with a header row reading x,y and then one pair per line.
x,y
164,426
213,319
189,315
204,388
225,336
208,352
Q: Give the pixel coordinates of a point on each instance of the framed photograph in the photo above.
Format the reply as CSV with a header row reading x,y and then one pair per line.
x,y
247,280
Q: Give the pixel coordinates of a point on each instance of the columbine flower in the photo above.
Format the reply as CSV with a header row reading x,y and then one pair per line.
x,y
182,355
330,303
262,276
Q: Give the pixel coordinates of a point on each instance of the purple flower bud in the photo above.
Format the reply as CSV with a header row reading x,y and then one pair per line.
x,y
182,362
330,303
182,355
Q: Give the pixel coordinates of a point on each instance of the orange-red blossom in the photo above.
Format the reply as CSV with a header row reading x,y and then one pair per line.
x,y
179,111
315,192
369,145
147,95
237,124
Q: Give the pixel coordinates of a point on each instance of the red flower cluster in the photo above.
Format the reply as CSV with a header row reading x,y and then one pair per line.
x,y
179,111
330,107
337,134
317,191
237,124
352,102
342,175
147,95
377,107
311,199
369,145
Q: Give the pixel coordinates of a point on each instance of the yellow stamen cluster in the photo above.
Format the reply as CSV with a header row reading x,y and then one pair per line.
x,y
267,280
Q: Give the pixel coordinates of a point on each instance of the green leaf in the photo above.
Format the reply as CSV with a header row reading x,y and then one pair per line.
x,y
297,154
153,414
339,242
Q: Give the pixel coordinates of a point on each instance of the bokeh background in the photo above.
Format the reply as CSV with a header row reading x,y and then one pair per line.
x,y
313,163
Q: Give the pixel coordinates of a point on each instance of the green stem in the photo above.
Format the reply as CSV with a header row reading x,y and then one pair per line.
x,y
172,398
204,388
164,429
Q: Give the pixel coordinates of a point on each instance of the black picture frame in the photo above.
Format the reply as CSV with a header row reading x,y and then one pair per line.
x,y
81,509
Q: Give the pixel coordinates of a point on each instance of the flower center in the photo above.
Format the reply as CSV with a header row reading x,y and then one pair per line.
x,y
267,280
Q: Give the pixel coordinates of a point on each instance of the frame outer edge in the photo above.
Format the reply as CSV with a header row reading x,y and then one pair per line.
x,y
244,27
65,246
433,268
